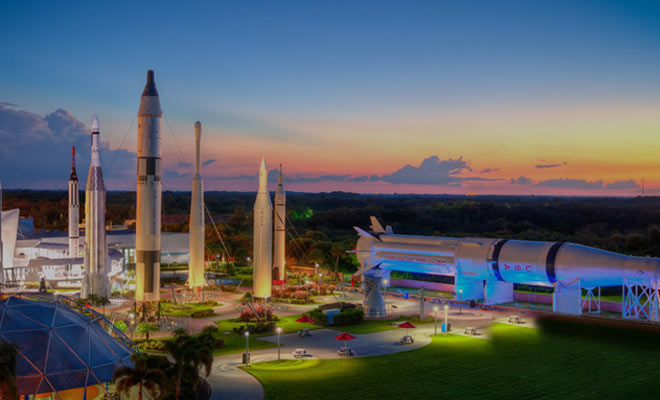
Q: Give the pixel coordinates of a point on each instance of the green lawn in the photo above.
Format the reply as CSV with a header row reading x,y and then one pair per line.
x,y
184,310
370,326
573,361
235,343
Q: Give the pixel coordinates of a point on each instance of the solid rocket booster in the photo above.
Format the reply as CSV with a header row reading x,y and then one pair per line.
x,y
263,238
280,233
196,223
74,208
96,256
149,188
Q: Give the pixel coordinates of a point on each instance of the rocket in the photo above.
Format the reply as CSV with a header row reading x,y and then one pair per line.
x,y
95,280
280,233
149,192
196,223
263,238
74,208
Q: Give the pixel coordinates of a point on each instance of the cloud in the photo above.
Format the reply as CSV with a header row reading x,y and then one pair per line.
x,y
7,104
540,166
36,150
488,170
522,180
432,171
568,183
208,162
182,164
625,184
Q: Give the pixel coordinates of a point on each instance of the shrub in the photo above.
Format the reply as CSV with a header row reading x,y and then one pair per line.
x,y
211,303
318,316
157,345
416,320
202,313
349,317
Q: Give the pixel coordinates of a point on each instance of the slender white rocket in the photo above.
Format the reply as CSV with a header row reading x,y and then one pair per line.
x,y
196,222
96,279
263,238
279,257
149,192
74,208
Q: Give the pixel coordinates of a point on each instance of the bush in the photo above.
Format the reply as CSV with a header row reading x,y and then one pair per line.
x,y
202,313
349,317
416,320
157,345
318,316
211,303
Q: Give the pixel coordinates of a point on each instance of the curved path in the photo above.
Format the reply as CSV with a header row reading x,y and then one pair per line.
x,y
230,382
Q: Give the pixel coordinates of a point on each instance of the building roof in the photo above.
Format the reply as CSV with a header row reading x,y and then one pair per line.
x,y
60,344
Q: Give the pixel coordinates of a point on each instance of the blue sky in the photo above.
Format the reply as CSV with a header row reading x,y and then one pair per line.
x,y
263,75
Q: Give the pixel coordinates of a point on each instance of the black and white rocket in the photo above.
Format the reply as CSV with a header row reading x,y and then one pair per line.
x,y
262,270
74,208
149,192
95,280
279,260
196,223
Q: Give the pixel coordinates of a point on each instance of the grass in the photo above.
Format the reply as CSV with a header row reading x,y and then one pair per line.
x,y
370,326
235,343
572,361
184,310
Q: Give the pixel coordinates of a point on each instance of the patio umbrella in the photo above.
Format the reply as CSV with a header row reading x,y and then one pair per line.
x,y
407,325
305,319
345,337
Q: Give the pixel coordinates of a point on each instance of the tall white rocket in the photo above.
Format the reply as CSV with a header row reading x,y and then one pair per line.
x,y
74,208
263,238
95,280
149,192
196,223
279,259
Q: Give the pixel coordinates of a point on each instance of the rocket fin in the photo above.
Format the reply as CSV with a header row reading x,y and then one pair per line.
x,y
363,233
388,230
376,227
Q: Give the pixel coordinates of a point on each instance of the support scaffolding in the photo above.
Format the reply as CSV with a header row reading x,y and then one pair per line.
x,y
641,301
590,299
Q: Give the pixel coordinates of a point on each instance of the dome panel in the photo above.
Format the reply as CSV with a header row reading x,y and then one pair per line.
x,y
42,313
30,346
27,384
77,338
61,357
65,317
67,380
14,321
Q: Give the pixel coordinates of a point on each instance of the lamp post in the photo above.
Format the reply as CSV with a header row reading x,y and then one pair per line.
x,y
316,269
435,314
321,277
247,348
385,289
446,319
460,301
279,331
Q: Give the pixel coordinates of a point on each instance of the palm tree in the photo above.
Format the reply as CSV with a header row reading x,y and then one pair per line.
x,y
147,373
8,357
190,354
146,328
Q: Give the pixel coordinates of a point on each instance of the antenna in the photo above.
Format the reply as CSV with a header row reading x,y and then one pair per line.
x,y
643,188
73,157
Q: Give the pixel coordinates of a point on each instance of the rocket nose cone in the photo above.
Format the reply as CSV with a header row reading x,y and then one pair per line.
x,y
198,123
263,164
150,87
95,123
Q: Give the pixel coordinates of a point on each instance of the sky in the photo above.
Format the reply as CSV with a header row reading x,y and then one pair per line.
x,y
471,97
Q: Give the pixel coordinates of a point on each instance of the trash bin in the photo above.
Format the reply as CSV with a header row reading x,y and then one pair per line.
x,y
246,358
405,295
445,328
473,304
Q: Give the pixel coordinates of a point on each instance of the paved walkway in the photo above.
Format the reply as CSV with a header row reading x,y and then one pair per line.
x,y
230,382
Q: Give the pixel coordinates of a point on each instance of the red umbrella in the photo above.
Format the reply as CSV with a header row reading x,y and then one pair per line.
x,y
306,319
345,337
407,325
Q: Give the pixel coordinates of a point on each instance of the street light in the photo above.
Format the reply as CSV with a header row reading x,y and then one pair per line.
x,y
279,330
321,277
446,310
460,301
435,314
247,348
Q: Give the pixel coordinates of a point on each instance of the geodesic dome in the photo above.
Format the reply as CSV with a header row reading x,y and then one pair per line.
x,y
59,347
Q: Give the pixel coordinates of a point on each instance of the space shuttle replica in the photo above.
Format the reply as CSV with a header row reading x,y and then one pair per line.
x,y
279,263
149,192
74,208
196,223
487,269
95,279
262,270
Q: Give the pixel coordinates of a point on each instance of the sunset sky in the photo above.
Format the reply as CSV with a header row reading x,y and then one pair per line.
x,y
503,97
